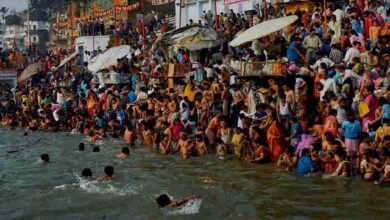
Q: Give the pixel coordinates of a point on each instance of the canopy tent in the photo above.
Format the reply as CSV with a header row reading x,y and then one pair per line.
x,y
30,71
263,29
193,38
66,60
108,58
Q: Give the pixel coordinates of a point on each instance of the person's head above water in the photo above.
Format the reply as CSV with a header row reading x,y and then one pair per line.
x,y
163,200
86,173
96,149
81,146
126,150
109,170
45,158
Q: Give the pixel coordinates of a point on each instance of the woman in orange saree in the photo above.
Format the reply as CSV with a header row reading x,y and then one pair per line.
x,y
275,138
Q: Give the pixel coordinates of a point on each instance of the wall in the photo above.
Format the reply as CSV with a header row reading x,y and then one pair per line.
x,y
90,43
8,78
2,32
195,10
13,32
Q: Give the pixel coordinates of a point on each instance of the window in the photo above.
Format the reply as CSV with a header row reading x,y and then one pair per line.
x,y
34,39
34,27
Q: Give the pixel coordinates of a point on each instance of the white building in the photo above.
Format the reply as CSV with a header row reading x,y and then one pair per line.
x,y
193,9
36,29
2,30
13,33
91,43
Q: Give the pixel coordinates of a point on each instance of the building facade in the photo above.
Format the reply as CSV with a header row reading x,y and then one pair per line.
x,y
14,36
58,32
38,36
2,30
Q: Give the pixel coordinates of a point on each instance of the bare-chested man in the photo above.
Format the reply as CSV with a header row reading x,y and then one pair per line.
x,y
184,146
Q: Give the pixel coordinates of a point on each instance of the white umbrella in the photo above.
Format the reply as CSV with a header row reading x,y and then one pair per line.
x,y
31,70
66,60
263,29
108,58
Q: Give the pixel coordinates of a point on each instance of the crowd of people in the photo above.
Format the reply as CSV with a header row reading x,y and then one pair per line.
x,y
330,112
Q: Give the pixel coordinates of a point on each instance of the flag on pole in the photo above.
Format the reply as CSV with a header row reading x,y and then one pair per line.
x,y
117,2
95,8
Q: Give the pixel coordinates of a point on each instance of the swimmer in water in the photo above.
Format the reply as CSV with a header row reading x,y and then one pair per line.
x,y
86,173
109,171
96,149
164,201
81,147
44,159
125,153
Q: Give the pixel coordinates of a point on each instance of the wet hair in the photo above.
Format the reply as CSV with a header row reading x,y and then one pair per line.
x,y
305,151
363,135
96,149
163,200
368,153
340,152
126,150
81,146
351,116
86,173
109,170
45,157
290,150
333,112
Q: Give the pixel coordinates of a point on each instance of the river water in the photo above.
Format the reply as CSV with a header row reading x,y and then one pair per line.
x,y
230,189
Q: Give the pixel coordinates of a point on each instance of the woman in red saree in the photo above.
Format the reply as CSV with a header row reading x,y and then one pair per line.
x,y
275,138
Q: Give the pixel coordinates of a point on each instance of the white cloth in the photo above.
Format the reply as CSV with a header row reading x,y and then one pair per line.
x,y
339,14
351,53
327,61
328,85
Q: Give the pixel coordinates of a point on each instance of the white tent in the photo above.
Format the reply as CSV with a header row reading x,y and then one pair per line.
x,y
263,29
66,60
108,58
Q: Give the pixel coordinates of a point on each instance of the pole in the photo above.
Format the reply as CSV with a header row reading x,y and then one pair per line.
x,y
93,31
28,24
216,15
143,24
180,13
326,19
265,10
58,33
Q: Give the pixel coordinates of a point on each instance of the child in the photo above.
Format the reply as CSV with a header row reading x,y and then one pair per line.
x,y
164,145
287,160
305,164
128,136
164,201
220,149
386,169
93,137
148,138
125,153
200,146
44,159
81,147
109,171
86,173
184,146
